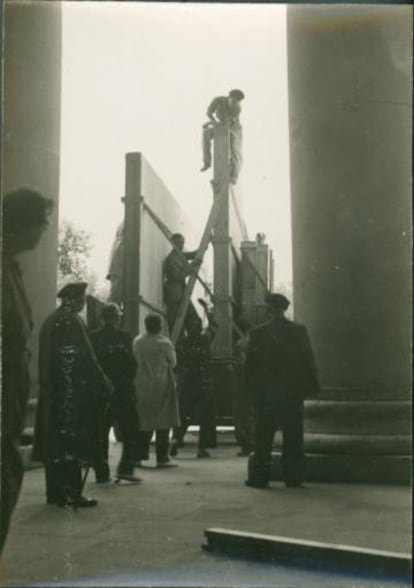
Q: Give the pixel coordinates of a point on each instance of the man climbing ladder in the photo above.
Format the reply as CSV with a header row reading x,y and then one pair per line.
x,y
186,298
177,266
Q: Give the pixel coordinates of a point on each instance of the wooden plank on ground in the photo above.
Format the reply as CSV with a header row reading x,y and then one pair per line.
x,y
302,552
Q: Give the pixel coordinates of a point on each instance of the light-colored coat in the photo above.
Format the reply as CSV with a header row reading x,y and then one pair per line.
x,y
157,400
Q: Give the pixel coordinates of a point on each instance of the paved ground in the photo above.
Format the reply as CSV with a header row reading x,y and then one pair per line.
x,y
151,534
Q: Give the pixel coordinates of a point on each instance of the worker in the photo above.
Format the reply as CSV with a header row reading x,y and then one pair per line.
x,y
113,349
73,396
25,219
177,266
198,385
156,390
281,373
225,110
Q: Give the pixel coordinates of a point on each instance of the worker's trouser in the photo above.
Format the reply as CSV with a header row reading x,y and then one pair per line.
x,y
197,408
290,421
123,412
161,444
236,137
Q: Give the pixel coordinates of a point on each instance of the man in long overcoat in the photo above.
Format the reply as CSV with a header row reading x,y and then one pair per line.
x,y
25,218
156,391
281,373
73,397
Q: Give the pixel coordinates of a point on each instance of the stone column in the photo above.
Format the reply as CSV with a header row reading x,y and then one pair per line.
x,y
32,83
349,71
350,125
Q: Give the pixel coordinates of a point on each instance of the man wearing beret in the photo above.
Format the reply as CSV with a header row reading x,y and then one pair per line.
x,y
74,393
281,373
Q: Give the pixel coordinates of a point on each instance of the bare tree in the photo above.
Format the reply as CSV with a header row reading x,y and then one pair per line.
x,y
74,248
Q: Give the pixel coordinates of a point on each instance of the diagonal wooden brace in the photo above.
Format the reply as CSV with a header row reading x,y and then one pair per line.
x,y
167,234
205,240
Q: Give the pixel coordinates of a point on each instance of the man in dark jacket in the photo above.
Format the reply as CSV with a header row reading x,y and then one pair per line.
x,y
281,373
178,265
197,386
113,348
25,218
73,397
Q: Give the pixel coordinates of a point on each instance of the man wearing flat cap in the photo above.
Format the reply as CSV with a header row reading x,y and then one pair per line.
x,y
281,373
74,392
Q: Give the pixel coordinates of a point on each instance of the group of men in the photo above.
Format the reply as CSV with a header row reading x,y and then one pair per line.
x,y
89,381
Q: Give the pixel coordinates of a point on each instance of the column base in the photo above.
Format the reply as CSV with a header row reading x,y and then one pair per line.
x,y
357,469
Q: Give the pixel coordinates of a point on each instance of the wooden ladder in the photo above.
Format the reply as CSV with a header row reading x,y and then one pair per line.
x,y
204,243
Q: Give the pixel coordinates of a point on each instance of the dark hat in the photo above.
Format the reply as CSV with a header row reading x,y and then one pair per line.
x,y
73,290
277,301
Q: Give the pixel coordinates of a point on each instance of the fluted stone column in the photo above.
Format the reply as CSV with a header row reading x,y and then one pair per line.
x,y
350,129
349,71
32,82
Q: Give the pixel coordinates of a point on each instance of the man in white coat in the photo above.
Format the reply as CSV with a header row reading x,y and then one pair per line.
x,y
157,400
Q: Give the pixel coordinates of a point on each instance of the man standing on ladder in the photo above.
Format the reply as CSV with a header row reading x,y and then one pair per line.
x,y
177,266
226,110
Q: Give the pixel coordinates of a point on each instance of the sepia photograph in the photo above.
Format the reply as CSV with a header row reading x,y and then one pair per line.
x,y
206,294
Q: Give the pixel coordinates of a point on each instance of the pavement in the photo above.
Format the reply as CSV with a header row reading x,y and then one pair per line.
x,y
151,534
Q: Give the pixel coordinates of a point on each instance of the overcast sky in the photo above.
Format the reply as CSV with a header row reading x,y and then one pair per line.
x,y
139,77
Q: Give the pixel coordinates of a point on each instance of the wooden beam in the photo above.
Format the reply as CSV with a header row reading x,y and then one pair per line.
x,y
223,286
205,240
132,250
279,549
